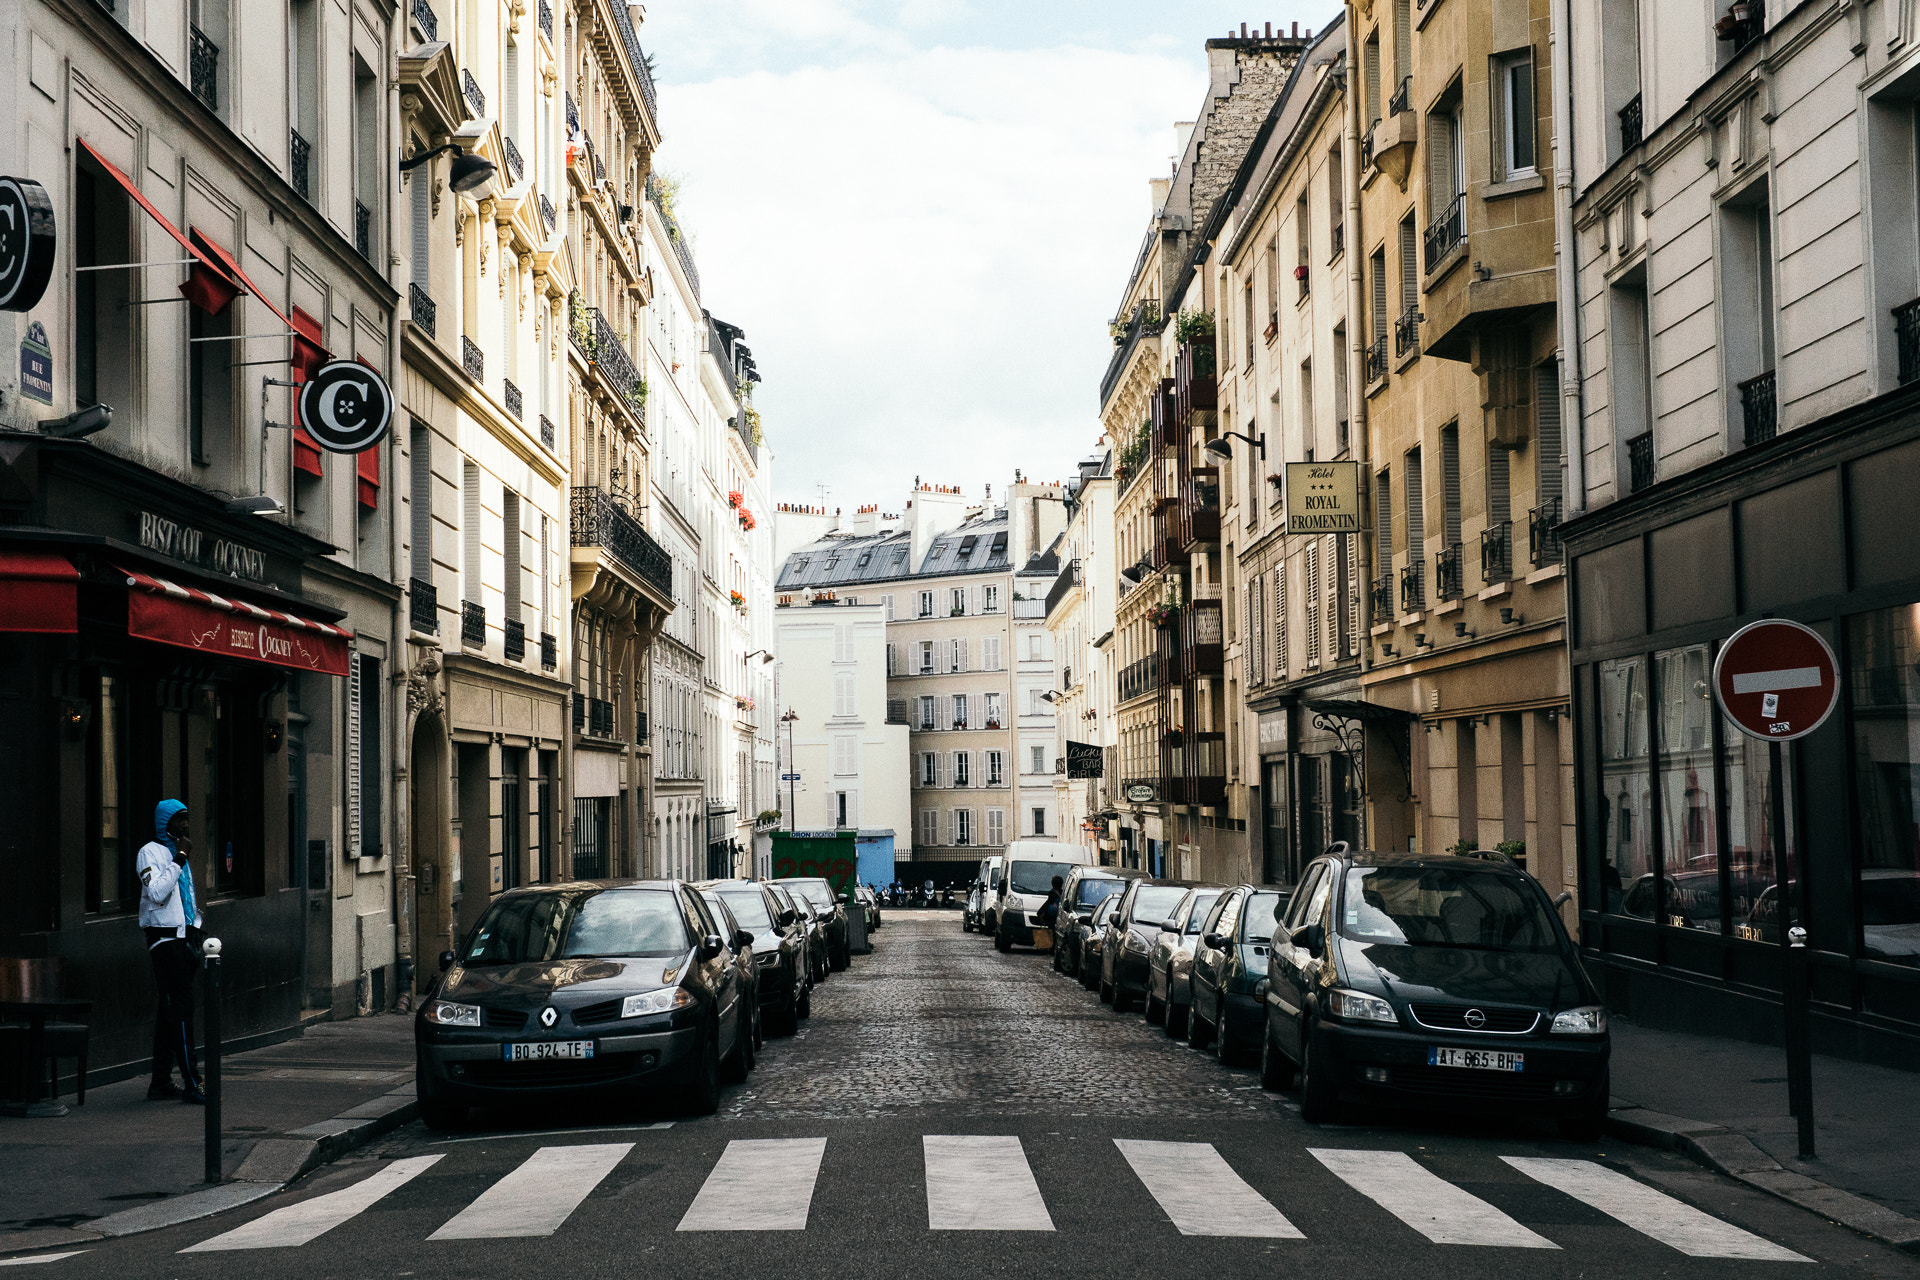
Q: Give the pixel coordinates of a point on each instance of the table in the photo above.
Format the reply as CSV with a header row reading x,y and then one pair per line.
x,y
38,1010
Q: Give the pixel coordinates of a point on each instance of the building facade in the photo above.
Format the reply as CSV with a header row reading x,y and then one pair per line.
x,y
1079,612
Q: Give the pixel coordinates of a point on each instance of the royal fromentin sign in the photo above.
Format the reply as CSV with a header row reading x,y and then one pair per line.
x,y
1323,497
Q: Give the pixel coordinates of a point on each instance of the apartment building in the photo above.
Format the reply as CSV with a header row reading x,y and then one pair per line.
x,y
1079,614
1743,441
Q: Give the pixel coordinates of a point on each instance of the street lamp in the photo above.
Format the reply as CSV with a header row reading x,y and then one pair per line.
x,y
1221,449
469,170
793,772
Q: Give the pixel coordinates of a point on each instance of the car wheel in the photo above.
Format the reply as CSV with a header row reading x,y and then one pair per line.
x,y
441,1115
1002,944
1319,1096
1276,1072
1199,1034
740,1061
702,1093
1155,1012
1225,1052
966,924
803,1008
1106,993
759,1026
1177,1017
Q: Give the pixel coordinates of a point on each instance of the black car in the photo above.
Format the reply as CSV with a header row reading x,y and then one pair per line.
x,y
1093,936
1229,971
833,916
622,989
1131,929
1440,983
778,956
796,921
1085,889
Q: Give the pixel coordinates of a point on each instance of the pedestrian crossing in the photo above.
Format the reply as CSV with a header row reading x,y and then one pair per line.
x,y
979,1182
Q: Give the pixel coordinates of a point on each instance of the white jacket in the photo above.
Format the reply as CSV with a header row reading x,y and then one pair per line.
x,y
160,903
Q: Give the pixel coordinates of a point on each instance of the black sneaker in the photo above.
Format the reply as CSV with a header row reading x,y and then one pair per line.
x,y
194,1096
162,1092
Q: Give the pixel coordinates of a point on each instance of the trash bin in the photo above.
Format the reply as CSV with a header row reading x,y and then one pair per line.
x,y
857,943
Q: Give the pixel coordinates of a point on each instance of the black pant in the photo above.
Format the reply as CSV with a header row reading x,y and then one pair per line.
x,y
174,965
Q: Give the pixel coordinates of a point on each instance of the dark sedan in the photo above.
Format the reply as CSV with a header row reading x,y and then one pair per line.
x,y
1170,963
1093,936
625,989
778,956
833,916
1433,982
1229,972
1085,889
796,921
1131,930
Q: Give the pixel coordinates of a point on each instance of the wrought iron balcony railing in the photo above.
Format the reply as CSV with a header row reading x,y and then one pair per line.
x,y
1496,553
516,641
514,401
470,88
1630,125
1906,333
1406,333
1413,587
423,607
1382,597
1543,544
1339,237
1446,232
423,17
363,229
1402,99
473,359
642,70
547,213
615,364
546,431
598,521
1759,410
300,163
203,64
592,716
549,650
546,19
1640,462
473,623
515,165
421,308
573,116
1449,577
1377,359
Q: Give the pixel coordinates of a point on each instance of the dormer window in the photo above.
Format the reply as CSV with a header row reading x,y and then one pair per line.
x,y
967,544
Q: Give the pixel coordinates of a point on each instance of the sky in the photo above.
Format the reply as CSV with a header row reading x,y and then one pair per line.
x,y
923,213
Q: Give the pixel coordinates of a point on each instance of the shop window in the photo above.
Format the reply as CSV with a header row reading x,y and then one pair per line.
x,y
114,834
1627,861
1755,843
1687,794
364,788
1884,687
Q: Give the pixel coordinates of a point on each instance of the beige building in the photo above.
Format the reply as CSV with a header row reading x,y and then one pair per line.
x,y
1079,611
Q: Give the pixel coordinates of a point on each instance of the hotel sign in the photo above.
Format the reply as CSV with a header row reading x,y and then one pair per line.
x,y
1323,497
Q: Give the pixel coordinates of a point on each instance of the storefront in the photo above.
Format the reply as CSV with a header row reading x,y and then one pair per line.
x,y
151,647
1680,869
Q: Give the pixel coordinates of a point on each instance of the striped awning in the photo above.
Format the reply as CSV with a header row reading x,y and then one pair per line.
x,y
167,612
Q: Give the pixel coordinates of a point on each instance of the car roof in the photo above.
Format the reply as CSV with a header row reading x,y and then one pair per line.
x,y
1481,860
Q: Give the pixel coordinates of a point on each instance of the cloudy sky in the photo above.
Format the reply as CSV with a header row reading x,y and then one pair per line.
x,y
923,213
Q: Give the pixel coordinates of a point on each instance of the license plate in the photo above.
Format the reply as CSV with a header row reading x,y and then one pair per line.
x,y
1477,1059
547,1050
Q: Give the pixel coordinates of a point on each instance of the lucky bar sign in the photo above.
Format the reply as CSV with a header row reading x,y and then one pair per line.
x,y
1323,497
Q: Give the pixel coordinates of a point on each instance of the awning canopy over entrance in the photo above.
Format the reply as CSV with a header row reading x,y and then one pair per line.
x,y
39,591
168,613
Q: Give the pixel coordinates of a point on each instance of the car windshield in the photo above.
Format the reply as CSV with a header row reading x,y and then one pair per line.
x,y
1257,917
1444,907
749,908
1155,902
1035,877
1092,891
1202,901
816,892
537,927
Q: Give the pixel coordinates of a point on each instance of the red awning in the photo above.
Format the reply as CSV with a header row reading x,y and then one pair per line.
x,y
219,626
39,591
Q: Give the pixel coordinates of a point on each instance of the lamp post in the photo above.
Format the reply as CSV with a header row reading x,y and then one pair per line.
x,y
793,772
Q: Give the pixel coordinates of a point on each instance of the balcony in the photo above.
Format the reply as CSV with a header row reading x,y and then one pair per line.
x,y
1200,642
1200,510
1139,679
300,163
546,431
421,309
1449,573
1413,588
549,651
547,213
1145,322
1194,383
470,88
1640,462
1758,409
363,229
1496,553
1069,579
546,19
473,623
1196,768
1630,125
1029,610
423,17
516,643
1906,332
515,404
515,165
602,347
1742,31
423,607
597,521
472,359
648,93
1446,233
1543,544
203,63
573,116
1377,360
1406,334
1382,597
1402,99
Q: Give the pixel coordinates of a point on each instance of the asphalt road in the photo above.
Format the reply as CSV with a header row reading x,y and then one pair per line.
x,y
951,1111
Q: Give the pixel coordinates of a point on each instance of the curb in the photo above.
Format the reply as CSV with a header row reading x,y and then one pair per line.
x,y
1725,1151
270,1166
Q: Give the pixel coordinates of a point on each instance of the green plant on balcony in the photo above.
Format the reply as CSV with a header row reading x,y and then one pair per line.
x,y
638,397
1151,321
1193,325
1165,615
1515,849
751,416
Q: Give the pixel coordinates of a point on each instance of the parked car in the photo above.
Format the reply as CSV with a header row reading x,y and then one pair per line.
x,y
1085,889
871,901
1030,868
623,989
1093,935
1230,971
1432,982
980,894
1169,962
1131,931
779,955
812,930
833,915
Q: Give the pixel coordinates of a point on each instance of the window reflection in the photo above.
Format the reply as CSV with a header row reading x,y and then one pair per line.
x,y
1689,838
1882,650
1753,858
1628,871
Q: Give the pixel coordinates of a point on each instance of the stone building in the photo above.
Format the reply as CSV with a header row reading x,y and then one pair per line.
x,y
1079,613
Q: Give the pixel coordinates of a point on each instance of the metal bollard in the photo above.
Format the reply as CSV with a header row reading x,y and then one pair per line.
x,y
210,1057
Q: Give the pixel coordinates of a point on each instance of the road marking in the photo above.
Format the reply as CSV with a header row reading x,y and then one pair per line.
x,y
1768,681
760,1184
506,1134
1201,1193
537,1197
982,1184
1428,1203
1651,1213
40,1257
299,1223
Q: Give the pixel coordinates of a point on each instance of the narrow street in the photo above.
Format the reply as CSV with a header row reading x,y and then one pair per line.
x,y
950,1110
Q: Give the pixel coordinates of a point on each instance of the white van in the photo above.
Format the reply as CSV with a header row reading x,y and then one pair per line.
x,y
980,896
1030,866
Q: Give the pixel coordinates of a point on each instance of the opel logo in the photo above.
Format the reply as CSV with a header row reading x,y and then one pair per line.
x,y
550,1015
1474,1018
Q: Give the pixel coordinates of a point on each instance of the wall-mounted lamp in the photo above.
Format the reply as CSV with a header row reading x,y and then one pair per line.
x,y
469,171
765,656
1221,449
74,717
1509,618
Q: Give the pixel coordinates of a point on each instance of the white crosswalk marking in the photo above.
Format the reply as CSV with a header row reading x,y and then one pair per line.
x,y
537,1197
760,1184
40,1257
298,1223
1201,1193
977,1183
1428,1203
1650,1212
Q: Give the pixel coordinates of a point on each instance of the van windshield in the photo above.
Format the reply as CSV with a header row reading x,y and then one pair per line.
x,y
1035,877
1444,907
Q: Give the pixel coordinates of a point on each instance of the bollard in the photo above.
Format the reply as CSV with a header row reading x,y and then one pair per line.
x,y
210,1057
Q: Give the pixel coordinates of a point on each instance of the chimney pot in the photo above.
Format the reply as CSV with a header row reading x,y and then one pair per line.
x,y
1269,30
1243,31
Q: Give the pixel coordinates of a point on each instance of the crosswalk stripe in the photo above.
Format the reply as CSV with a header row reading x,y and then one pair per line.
x,y
979,1183
1651,1213
538,1196
40,1257
1428,1203
299,1223
1201,1193
760,1184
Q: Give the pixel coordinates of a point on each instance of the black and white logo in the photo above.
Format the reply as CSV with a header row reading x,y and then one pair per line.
x,y
346,407
549,1016
26,243
1475,1019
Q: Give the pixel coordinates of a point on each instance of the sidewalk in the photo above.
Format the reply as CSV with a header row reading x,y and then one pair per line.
x,y
122,1164
1724,1102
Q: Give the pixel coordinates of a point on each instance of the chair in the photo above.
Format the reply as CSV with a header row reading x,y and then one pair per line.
x,y
24,979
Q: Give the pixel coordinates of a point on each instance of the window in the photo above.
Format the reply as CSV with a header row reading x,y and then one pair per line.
x,y
1883,655
843,809
929,827
1377,277
1342,430
959,710
890,661
989,599
961,769
846,755
844,704
886,603
1039,759
364,788
1337,200
369,157
957,655
1308,427
1252,327
996,775
962,826
993,710
926,657
1624,800
843,643
926,604
996,826
926,712
1416,500
1036,647
929,769
959,602
1039,822
303,102
1303,252
990,653
1513,116
1409,286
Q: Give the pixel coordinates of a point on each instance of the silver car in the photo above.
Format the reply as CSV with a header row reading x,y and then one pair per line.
x,y
1170,963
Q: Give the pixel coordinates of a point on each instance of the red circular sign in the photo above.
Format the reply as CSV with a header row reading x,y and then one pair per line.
x,y
1776,680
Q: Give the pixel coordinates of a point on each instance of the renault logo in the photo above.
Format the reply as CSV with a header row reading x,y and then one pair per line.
x,y
550,1015
1474,1019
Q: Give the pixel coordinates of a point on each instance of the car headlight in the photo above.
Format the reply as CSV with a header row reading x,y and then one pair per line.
x,y
1587,1020
660,1001
1136,943
1355,1006
448,1014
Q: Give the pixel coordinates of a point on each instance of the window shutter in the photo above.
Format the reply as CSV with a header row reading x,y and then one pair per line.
x,y
1310,598
1352,648
1330,569
1379,265
1549,481
470,532
1280,655
510,536
1246,635
419,216
420,502
1409,267
1383,528
1499,485
886,602
1450,484
960,662
546,575
353,755
1416,514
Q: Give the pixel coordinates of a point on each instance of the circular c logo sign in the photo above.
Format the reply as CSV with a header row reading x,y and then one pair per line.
x,y
346,407
26,243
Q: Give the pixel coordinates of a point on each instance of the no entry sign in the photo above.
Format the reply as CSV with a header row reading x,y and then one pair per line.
x,y
1776,680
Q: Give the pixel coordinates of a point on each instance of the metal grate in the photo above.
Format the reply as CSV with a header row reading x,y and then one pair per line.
x,y
515,165
472,359
203,62
546,431
514,401
549,650
473,623
363,229
421,307
1413,588
1640,461
1759,409
476,100
1543,544
423,607
504,1019
299,163
1496,552
1450,1017
516,644
1630,125
1447,232
423,17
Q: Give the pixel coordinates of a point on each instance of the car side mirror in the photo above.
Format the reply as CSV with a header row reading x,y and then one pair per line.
x,y
742,939
1169,925
1216,941
1310,937
710,946
446,961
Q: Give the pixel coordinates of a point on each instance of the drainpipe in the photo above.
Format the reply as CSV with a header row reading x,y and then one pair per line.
x,y
1356,340
1572,426
401,764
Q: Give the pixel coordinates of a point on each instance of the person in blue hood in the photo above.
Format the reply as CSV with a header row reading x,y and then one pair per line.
x,y
170,918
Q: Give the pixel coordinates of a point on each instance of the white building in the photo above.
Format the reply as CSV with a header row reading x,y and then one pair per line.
x,y
1079,613
851,757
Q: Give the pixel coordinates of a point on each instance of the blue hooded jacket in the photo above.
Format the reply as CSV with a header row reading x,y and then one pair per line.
x,y
163,814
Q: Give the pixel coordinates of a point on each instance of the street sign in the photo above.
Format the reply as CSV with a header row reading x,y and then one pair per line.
x,y
1323,497
1141,793
789,777
1776,680
26,243
1085,760
346,407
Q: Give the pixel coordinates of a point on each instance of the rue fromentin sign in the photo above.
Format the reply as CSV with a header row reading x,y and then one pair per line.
x,y
1323,497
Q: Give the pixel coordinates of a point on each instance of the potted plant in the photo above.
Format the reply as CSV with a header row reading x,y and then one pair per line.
x,y
1300,272
1193,326
1165,615
735,498
739,601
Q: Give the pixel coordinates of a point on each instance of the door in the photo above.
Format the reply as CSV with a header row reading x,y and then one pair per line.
x,y
1290,969
1277,858
1206,960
